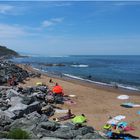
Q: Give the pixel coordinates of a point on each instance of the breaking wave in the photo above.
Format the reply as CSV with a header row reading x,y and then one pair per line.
x,y
101,83
80,66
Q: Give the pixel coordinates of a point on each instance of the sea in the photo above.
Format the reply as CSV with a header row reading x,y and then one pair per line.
x,y
123,71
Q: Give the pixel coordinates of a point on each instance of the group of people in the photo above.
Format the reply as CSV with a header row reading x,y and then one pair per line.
x,y
78,120
115,131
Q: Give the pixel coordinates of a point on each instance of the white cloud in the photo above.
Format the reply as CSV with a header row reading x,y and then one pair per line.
x,y
16,31
13,9
10,31
4,9
47,23
52,22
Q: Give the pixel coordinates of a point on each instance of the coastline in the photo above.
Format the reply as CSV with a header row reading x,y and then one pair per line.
x,y
89,83
99,72
97,102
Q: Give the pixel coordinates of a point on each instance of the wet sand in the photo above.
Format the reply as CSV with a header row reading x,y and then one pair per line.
x,y
98,103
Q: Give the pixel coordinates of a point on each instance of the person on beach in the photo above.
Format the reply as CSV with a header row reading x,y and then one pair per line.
x,y
12,81
66,117
50,81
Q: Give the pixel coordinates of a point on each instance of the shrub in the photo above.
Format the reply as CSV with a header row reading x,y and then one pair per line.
x,y
18,134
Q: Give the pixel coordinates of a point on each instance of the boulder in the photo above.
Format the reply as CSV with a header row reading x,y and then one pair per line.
x,y
10,114
48,110
4,120
32,123
29,122
58,99
40,95
11,93
27,100
51,126
35,106
17,107
42,88
49,98
66,133
84,130
8,69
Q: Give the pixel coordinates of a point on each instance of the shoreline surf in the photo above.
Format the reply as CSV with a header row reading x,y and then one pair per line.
x,y
101,70
86,82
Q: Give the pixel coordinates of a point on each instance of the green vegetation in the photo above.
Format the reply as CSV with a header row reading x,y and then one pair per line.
x,y
4,51
18,134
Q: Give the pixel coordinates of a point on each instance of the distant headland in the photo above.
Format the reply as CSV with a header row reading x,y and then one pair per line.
x,y
7,53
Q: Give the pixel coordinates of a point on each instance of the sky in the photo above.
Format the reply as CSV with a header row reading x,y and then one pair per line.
x,y
71,27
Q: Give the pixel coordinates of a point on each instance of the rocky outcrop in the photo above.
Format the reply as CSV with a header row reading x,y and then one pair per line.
x,y
28,111
7,53
9,69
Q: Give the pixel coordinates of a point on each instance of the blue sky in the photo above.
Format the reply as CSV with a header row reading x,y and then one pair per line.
x,y
71,27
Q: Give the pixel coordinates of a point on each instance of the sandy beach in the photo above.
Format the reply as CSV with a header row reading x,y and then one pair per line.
x,y
96,102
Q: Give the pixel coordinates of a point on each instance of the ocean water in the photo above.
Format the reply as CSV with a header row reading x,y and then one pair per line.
x,y
108,70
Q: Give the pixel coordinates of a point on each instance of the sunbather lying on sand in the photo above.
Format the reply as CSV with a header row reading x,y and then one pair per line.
x,y
66,117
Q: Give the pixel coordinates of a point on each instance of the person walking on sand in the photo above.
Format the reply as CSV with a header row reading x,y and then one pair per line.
x,y
50,81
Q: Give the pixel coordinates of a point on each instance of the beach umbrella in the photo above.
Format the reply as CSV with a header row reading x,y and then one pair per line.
x,y
79,119
57,89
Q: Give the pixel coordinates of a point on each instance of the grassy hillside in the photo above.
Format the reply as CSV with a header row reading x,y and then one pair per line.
x,y
5,52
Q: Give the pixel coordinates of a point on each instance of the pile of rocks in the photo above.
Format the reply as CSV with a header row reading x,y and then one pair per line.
x,y
8,69
29,109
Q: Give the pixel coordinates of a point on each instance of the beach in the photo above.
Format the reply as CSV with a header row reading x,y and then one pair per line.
x,y
96,102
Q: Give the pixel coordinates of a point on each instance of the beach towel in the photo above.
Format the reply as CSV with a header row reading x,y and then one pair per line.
x,y
61,110
129,128
115,120
138,112
66,98
109,134
136,105
119,117
123,97
130,105
72,95
66,117
112,122
70,102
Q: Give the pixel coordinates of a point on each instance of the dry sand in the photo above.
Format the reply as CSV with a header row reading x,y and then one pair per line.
x,y
96,102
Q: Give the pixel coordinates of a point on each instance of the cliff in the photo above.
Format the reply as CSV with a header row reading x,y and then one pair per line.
x,y
7,53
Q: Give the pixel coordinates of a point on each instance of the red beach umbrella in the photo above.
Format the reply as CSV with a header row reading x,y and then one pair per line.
x,y
57,89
